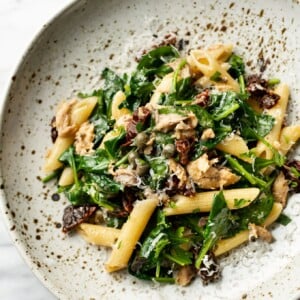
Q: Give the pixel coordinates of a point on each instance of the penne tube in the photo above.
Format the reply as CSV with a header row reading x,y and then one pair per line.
x,y
130,233
205,63
61,144
98,235
79,114
278,113
225,245
220,52
202,202
82,110
234,145
67,177
288,137
116,112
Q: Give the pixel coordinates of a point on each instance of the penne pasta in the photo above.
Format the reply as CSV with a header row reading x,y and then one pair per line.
x,y
98,235
202,202
130,234
234,145
80,112
278,112
288,138
61,144
116,112
203,62
66,178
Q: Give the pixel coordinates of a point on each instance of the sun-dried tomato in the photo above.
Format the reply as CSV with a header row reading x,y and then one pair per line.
x,y
183,147
140,116
202,99
54,132
75,215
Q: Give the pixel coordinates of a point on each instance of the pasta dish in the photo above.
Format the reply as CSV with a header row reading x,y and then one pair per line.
x,y
175,164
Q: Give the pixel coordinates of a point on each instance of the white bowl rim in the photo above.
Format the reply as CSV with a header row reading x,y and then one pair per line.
x,y
4,95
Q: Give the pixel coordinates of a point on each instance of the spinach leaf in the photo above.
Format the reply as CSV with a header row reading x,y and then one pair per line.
x,y
237,66
204,118
182,92
283,219
163,138
112,84
256,212
139,86
101,126
96,163
157,239
221,224
106,185
237,71
253,124
203,146
138,90
223,104
112,146
68,158
157,57
99,117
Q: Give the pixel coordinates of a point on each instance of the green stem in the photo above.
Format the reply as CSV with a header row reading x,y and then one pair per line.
x,y
122,160
175,76
241,170
51,176
242,84
174,259
164,279
227,112
207,245
273,81
183,102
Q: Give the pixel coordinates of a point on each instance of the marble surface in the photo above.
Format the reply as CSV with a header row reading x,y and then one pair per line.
x,y
20,20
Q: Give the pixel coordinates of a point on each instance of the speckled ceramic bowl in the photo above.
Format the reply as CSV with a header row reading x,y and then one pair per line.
x,y
67,57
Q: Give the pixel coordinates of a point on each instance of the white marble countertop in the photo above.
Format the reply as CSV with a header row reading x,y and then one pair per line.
x,y
20,20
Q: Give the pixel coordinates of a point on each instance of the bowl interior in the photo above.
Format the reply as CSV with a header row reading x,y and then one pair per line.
x,y
67,58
